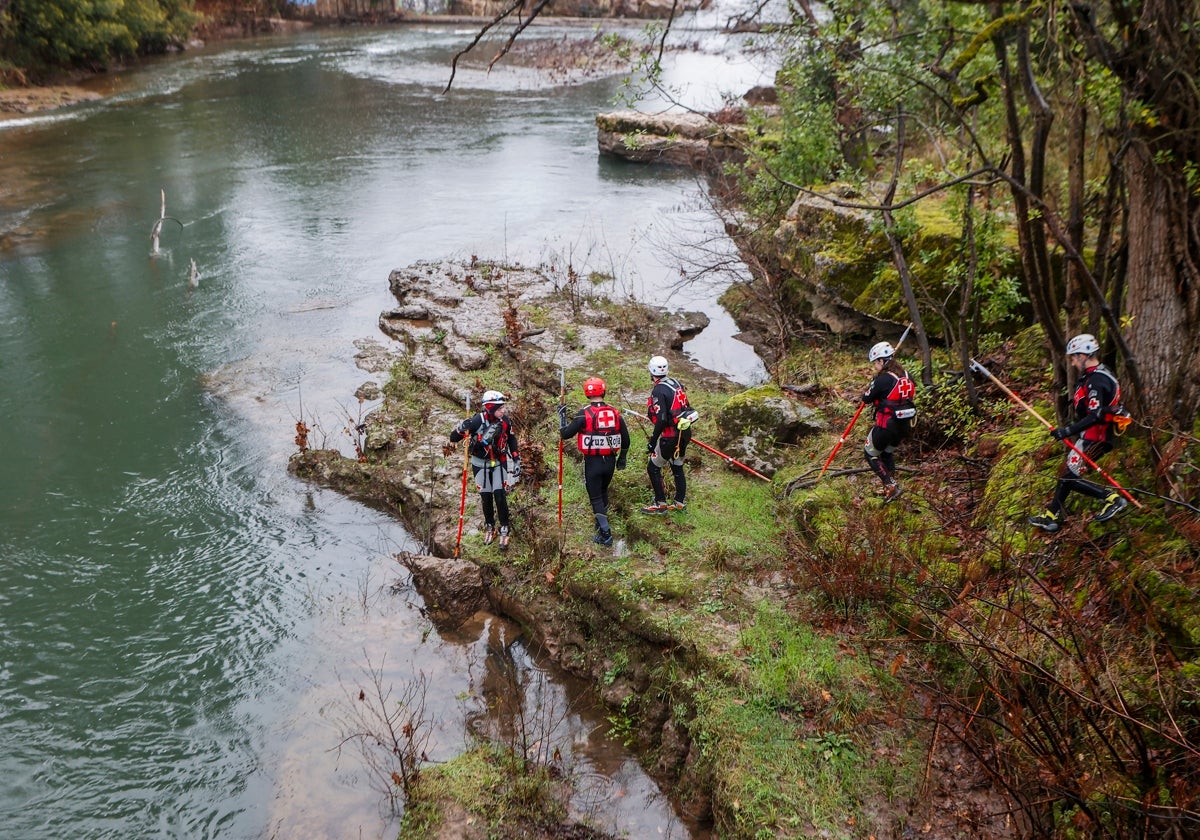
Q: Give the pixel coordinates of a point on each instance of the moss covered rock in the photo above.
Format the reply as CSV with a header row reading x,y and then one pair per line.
x,y
753,424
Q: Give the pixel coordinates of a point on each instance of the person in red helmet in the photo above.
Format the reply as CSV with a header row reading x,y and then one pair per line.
x,y
494,460
1097,405
603,438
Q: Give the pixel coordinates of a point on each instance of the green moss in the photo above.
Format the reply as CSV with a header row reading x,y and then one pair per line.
x,y
493,785
787,750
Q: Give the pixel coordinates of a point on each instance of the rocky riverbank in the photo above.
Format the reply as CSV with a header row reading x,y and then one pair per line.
x,y
662,623
29,100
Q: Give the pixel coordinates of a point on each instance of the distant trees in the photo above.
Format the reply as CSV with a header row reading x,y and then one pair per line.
x,y
42,36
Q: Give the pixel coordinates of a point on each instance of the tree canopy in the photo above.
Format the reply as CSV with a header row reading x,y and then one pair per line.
x,y
1084,114
44,35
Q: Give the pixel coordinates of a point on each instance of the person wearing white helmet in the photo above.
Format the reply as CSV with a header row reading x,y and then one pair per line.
x,y
891,392
668,409
1096,401
603,440
495,462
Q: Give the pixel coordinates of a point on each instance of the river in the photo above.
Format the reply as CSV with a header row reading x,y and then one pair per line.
x,y
183,626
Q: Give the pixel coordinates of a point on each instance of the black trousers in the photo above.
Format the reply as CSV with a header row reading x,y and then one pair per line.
x,y
597,475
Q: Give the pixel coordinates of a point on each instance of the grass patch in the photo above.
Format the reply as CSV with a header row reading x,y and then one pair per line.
x,y
491,785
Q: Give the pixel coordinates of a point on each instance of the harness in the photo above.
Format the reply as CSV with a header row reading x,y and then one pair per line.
x,y
490,441
601,433
1112,415
899,401
679,404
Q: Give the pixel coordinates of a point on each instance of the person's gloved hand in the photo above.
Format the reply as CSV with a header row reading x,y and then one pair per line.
x,y
651,446
562,417
1058,434
621,461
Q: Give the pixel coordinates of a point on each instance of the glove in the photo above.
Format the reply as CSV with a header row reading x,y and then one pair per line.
x,y
562,417
621,461
1059,434
651,446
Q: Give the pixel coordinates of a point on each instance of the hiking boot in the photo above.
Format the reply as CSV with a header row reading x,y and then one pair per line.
x,y
603,538
1113,505
656,507
489,534
504,538
1048,521
681,507
892,492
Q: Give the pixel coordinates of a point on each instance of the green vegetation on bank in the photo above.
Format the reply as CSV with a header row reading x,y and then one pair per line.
x,y
800,658
40,38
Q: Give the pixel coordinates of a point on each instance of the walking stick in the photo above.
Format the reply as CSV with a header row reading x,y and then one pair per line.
x,y
730,460
837,446
462,505
562,402
976,366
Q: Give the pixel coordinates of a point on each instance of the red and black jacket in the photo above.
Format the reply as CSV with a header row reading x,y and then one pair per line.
x,y
666,402
492,438
892,395
1097,400
600,429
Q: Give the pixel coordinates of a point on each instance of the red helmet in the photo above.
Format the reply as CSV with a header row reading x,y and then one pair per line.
x,y
594,387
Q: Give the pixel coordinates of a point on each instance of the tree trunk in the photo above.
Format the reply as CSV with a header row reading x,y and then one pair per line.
x,y
1164,287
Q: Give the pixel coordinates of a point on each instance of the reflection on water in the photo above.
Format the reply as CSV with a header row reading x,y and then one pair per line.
x,y
180,621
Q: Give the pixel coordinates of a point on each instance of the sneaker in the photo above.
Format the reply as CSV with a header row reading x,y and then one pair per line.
x,y
504,538
656,507
677,506
1113,505
603,538
489,534
1048,521
892,492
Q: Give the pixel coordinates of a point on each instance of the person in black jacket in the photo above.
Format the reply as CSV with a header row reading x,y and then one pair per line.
x,y
494,460
603,439
891,392
668,409
1097,405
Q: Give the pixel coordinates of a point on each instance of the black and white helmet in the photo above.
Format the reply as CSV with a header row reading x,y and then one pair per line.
x,y
1084,343
657,366
493,398
882,350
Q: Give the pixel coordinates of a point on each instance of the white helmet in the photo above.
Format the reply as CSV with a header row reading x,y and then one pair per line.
x,y
882,350
1084,343
657,366
493,398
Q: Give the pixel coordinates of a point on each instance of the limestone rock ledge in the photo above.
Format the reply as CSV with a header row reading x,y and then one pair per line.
x,y
688,139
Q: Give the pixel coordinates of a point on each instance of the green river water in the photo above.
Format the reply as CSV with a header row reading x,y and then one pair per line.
x,y
182,623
